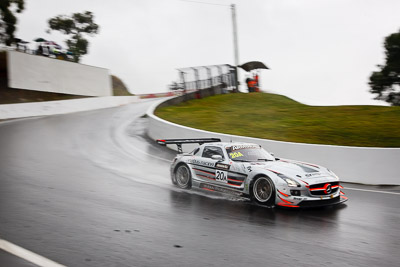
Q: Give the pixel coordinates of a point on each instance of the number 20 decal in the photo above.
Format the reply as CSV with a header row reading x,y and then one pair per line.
x,y
221,176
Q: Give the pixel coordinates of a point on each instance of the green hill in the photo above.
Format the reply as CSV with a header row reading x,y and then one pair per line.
x,y
277,117
119,88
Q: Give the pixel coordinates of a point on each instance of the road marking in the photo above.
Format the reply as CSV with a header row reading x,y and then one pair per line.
x,y
375,191
27,255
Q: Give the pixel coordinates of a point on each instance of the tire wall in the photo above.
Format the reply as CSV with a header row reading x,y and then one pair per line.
x,y
352,164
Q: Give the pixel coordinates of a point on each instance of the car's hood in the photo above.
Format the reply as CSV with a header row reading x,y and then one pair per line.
x,y
309,173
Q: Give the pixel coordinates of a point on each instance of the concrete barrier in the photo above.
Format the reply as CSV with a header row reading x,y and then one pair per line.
x,y
352,164
38,73
12,111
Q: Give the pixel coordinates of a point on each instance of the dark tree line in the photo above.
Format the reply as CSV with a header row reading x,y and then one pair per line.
x,y
8,20
75,26
385,83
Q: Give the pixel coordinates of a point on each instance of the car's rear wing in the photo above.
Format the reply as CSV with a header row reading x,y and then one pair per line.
x,y
179,142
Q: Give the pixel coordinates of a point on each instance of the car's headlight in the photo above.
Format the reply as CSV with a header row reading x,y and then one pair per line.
x,y
290,182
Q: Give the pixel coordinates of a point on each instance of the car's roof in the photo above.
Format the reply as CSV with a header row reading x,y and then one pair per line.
x,y
231,144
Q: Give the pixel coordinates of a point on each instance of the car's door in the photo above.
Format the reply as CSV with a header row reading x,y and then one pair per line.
x,y
211,170
238,171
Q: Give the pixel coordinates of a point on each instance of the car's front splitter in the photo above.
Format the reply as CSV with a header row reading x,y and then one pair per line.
x,y
315,203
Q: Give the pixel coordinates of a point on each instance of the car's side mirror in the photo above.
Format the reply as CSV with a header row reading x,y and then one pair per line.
x,y
216,157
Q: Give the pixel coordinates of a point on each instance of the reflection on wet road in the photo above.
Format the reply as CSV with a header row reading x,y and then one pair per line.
x,y
90,189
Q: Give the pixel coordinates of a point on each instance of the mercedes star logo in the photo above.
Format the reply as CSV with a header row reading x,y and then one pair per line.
x,y
328,189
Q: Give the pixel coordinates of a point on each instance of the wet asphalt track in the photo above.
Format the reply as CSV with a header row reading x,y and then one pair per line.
x,y
89,189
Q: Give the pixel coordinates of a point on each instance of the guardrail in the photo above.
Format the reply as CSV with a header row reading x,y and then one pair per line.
x,y
352,164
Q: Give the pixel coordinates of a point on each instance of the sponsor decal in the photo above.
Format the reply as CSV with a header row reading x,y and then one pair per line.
x,y
235,155
312,174
219,189
221,176
201,162
222,166
237,147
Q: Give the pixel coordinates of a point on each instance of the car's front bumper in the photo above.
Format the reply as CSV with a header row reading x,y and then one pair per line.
x,y
314,203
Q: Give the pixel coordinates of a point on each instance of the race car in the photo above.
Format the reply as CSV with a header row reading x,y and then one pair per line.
x,y
247,170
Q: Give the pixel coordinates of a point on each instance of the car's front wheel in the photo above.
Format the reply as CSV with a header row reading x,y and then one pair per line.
x,y
263,191
183,177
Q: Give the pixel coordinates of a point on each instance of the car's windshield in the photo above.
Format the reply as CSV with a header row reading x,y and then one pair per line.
x,y
248,153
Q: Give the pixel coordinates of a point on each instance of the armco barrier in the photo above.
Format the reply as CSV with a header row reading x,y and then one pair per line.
x,y
352,164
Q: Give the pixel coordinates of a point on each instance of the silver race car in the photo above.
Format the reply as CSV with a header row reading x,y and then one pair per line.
x,y
247,170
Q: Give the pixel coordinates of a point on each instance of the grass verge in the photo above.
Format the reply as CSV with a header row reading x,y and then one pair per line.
x,y
277,117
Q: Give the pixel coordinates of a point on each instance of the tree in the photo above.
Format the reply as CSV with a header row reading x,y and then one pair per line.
x,y
386,82
8,19
75,27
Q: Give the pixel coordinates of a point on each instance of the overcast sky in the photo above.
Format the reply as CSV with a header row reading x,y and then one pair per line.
x,y
320,52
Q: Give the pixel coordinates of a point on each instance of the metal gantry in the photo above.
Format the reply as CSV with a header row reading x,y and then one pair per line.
x,y
203,77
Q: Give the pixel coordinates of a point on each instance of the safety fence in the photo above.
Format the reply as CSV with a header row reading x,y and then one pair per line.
x,y
205,77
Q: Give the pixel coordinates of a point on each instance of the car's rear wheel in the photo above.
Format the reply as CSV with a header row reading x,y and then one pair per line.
x,y
263,191
183,177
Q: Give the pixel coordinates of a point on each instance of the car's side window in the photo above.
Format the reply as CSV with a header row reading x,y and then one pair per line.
x,y
209,151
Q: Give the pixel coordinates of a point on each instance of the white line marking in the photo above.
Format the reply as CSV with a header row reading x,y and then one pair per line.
x,y
367,190
27,255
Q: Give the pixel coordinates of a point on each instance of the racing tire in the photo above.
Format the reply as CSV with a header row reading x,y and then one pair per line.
x,y
173,179
262,191
183,177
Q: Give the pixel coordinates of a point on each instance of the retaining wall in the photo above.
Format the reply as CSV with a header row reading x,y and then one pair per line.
x,y
352,164
39,73
12,111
